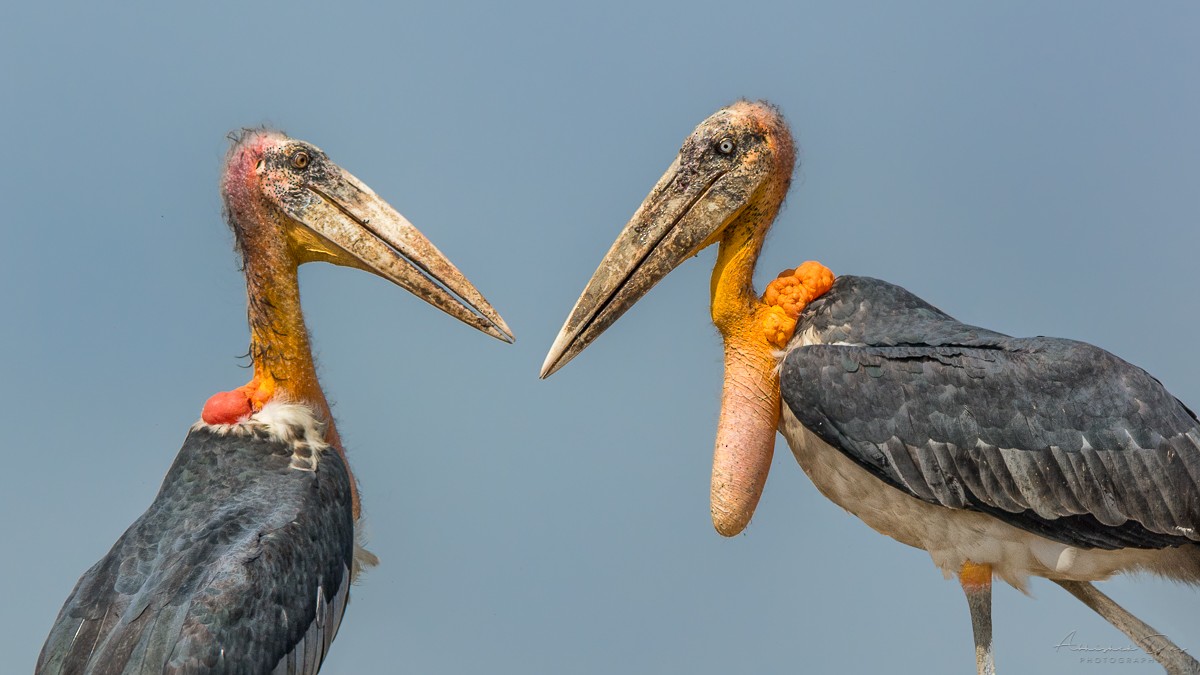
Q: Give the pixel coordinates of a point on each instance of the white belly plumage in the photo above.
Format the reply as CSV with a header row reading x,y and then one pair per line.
x,y
955,536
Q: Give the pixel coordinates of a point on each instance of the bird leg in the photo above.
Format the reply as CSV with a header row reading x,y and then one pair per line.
x,y
976,581
1176,661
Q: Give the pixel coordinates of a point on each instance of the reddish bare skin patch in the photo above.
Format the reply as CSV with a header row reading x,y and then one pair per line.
x,y
227,407
231,407
240,182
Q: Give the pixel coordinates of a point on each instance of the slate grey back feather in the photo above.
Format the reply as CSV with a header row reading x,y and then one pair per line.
x,y
1057,437
193,588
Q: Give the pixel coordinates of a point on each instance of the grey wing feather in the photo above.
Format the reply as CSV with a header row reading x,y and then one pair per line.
x,y
1058,437
308,654
240,562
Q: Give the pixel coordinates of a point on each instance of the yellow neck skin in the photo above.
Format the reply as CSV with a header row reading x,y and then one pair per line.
x,y
750,399
284,369
279,346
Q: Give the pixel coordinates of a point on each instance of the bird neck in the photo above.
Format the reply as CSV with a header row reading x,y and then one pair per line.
x,y
279,344
284,369
734,302
750,397
279,347
754,331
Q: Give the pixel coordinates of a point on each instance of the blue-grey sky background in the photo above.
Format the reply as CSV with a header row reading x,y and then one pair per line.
x,y
1032,167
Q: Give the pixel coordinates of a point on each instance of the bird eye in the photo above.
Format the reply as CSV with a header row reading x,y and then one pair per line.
x,y
300,159
725,146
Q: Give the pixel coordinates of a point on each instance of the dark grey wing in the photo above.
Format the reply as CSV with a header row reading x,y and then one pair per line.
x,y
1057,437
241,564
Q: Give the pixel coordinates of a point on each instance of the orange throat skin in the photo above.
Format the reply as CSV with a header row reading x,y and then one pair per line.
x,y
753,331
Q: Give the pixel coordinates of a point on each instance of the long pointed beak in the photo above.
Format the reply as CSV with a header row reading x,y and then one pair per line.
x,y
375,238
680,216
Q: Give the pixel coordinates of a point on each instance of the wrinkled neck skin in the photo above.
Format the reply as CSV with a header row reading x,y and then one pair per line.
x,y
750,398
279,346
284,369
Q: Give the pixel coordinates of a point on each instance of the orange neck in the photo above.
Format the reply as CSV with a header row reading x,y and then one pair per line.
x,y
284,369
734,302
753,330
279,347
736,309
750,397
283,363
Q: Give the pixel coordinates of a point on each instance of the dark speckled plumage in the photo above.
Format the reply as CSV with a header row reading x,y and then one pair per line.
x,y
1054,436
222,573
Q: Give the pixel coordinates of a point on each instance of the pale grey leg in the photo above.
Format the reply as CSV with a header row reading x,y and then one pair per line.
x,y
1173,659
976,581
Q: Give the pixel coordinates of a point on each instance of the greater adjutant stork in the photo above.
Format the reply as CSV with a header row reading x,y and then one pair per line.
x,y
997,455
243,563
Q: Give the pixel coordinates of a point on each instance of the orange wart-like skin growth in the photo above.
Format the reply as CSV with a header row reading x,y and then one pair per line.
x,y
788,294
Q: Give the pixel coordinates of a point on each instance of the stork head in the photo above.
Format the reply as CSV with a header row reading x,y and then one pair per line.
x,y
286,199
736,163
